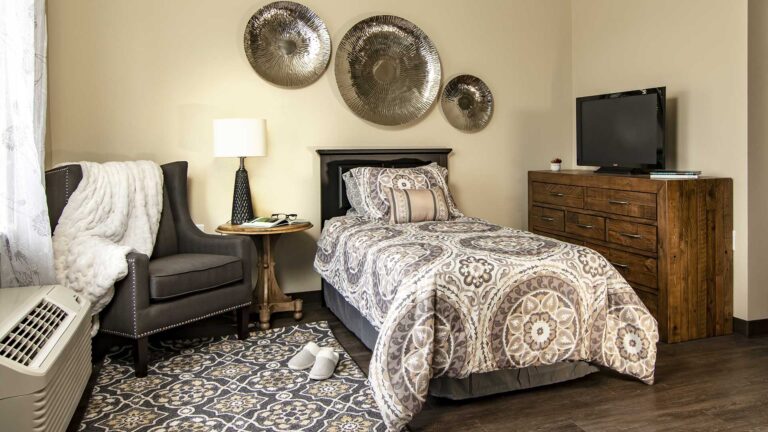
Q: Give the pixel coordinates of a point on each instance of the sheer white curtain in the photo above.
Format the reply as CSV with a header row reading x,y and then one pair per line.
x,y
26,255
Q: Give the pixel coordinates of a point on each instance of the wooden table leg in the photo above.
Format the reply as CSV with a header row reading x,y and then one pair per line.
x,y
270,297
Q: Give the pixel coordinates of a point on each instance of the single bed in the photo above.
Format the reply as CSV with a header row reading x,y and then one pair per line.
x,y
363,320
334,202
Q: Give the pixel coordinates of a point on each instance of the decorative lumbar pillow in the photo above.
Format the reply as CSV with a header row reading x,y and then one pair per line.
x,y
416,205
369,197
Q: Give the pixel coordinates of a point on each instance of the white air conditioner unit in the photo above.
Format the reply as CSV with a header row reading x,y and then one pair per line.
x,y
45,357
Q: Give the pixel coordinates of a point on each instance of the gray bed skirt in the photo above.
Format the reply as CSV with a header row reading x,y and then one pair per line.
x,y
475,385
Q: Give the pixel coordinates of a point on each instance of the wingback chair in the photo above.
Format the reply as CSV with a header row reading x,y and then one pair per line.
x,y
190,275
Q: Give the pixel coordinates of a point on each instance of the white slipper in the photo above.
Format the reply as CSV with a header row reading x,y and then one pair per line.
x,y
325,363
305,358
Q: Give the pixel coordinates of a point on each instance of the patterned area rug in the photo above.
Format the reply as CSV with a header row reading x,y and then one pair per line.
x,y
224,384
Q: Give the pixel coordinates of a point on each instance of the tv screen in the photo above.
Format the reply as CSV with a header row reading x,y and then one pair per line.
x,y
621,130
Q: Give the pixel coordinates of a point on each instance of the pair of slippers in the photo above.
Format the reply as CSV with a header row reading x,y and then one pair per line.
x,y
322,360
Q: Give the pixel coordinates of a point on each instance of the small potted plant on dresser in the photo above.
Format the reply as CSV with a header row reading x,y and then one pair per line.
x,y
554,164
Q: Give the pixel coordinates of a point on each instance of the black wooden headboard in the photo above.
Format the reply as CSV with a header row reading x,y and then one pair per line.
x,y
334,163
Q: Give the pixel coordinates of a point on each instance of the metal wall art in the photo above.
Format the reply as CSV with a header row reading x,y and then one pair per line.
x,y
467,103
387,70
287,44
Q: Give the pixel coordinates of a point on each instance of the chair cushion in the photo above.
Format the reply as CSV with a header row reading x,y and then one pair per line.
x,y
182,274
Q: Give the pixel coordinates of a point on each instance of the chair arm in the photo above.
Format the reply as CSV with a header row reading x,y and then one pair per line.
x,y
130,298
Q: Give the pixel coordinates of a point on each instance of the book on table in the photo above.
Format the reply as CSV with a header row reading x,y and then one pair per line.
x,y
273,221
673,174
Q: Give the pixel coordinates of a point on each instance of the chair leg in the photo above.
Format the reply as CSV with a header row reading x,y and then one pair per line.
x,y
242,322
141,356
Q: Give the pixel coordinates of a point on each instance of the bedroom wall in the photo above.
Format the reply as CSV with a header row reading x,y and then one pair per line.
x,y
758,159
698,49
131,79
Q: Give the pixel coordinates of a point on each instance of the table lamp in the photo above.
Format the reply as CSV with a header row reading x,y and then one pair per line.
x,y
240,138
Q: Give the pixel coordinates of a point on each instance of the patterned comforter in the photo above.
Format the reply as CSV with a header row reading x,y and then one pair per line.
x,y
466,296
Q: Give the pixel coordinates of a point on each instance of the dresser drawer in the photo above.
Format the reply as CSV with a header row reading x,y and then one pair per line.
x,y
545,218
602,250
637,204
585,225
630,234
559,237
570,196
635,268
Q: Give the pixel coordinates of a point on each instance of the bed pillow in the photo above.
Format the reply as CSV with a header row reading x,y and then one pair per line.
x,y
353,195
370,200
416,205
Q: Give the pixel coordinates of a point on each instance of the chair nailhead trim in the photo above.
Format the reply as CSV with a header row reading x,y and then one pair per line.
x,y
66,180
133,284
174,325
57,170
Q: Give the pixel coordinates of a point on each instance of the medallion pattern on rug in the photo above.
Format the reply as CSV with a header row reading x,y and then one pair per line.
x,y
224,384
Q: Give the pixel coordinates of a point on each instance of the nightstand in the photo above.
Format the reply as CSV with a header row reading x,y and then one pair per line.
x,y
268,294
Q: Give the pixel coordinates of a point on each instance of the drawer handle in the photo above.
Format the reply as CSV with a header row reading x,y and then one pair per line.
x,y
585,226
618,202
634,236
556,194
547,218
621,266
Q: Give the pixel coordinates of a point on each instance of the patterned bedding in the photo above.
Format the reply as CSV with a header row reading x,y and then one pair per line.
x,y
466,296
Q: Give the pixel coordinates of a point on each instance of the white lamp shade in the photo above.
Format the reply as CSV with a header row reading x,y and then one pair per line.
x,y
239,137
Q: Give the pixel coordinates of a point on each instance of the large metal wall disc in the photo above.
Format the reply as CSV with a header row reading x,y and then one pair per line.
x,y
387,70
287,44
467,103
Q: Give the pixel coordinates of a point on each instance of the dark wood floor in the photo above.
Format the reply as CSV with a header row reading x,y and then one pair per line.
x,y
717,384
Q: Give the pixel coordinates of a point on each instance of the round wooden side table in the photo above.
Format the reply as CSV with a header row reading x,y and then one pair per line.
x,y
269,297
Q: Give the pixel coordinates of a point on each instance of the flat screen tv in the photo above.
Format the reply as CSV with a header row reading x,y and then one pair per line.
x,y
621,132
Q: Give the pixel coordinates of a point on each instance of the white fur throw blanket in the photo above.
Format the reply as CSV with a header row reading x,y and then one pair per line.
x,y
114,210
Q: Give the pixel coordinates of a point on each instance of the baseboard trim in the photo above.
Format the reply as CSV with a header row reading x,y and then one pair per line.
x,y
752,328
312,299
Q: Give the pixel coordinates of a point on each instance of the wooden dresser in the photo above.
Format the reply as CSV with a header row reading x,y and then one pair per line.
x,y
670,239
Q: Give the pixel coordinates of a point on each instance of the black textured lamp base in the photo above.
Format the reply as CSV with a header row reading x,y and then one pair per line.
x,y
242,207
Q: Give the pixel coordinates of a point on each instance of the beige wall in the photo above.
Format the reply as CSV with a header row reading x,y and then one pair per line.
x,y
698,49
143,78
758,159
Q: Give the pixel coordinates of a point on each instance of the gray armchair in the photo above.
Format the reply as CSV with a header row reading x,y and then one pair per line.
x,y
190,275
